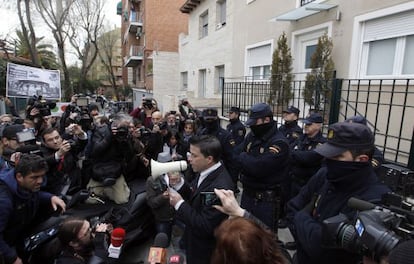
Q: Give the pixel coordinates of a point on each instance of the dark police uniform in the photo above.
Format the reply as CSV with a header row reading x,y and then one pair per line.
x,y
236,128
212,127
304,161
264,166
290,129
327,193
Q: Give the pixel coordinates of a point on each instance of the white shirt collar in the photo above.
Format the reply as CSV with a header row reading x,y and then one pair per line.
x,y
206,172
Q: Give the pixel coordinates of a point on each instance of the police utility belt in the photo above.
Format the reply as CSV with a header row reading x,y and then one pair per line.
x,y
263,195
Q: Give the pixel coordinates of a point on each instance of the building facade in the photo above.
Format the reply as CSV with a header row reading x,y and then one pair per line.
x,y
364,34
149,32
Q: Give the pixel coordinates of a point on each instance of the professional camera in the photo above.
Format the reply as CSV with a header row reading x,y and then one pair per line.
x,y
44,106
82,117
28,140
147,103
376,229
399,179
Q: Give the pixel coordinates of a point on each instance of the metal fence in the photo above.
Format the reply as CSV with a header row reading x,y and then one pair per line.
x,y
388,105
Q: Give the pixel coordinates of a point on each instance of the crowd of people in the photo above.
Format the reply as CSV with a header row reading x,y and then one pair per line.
x,y
288,177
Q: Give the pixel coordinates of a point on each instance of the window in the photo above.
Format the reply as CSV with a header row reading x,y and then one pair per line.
x,y
204,24
221,14
184,81
387,44
219,73
202,83
259,59
408,65
308,55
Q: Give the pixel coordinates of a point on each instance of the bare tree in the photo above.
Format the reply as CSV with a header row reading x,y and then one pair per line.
x,y
28,32
107,53
55,15
86,20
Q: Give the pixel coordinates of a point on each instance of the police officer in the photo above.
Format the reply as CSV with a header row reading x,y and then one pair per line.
x,y
290,128
236,128
348,173
305,162
211,126
264,165
378,157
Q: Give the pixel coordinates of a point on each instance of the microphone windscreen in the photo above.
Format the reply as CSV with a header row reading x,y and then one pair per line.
x,y
117,236
161,240
360,205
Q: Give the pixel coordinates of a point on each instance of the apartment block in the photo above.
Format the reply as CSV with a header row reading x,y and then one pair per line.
x,y
149,31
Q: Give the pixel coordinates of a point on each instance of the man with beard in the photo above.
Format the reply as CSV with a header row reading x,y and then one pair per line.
x,y
348,173
81,244
20,203
264,164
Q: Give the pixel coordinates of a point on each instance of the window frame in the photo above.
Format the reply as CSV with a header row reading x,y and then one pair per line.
x,y
203,24
360,48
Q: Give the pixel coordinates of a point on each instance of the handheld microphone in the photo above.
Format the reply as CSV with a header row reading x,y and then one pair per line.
x,y
117,238
360,205
158,252
176,259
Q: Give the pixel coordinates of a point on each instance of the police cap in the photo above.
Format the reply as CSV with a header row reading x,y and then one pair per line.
x,y
345,136
292,109
257,111
313,118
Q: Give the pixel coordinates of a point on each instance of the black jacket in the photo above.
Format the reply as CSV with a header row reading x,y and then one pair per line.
x,y
200,220
264,161
331,200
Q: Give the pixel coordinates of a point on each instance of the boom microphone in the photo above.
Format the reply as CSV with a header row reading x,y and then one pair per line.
x,y
158,252
117,238
158,168
360,205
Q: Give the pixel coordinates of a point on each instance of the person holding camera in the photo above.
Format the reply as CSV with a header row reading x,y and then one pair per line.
x,y
185,109
81,244
10,141
144,113
62,157
109,156
21,202
347,173
199,216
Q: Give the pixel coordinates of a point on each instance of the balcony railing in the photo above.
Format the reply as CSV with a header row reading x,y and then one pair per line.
x,y
135,56
135,22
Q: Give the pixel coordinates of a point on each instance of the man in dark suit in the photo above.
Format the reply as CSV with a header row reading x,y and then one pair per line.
x,y
201,219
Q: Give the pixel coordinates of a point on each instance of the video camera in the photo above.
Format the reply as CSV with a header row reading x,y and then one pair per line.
x,y
28,139
147,103
376,229
44,106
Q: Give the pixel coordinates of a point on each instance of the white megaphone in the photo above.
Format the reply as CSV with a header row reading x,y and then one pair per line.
x,y
159,168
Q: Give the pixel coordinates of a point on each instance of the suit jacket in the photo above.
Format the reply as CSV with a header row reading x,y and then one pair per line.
x,y
200,220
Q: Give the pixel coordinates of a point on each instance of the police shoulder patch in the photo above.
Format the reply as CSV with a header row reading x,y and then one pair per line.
x,y
374,163
232,142
241,132
274,149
